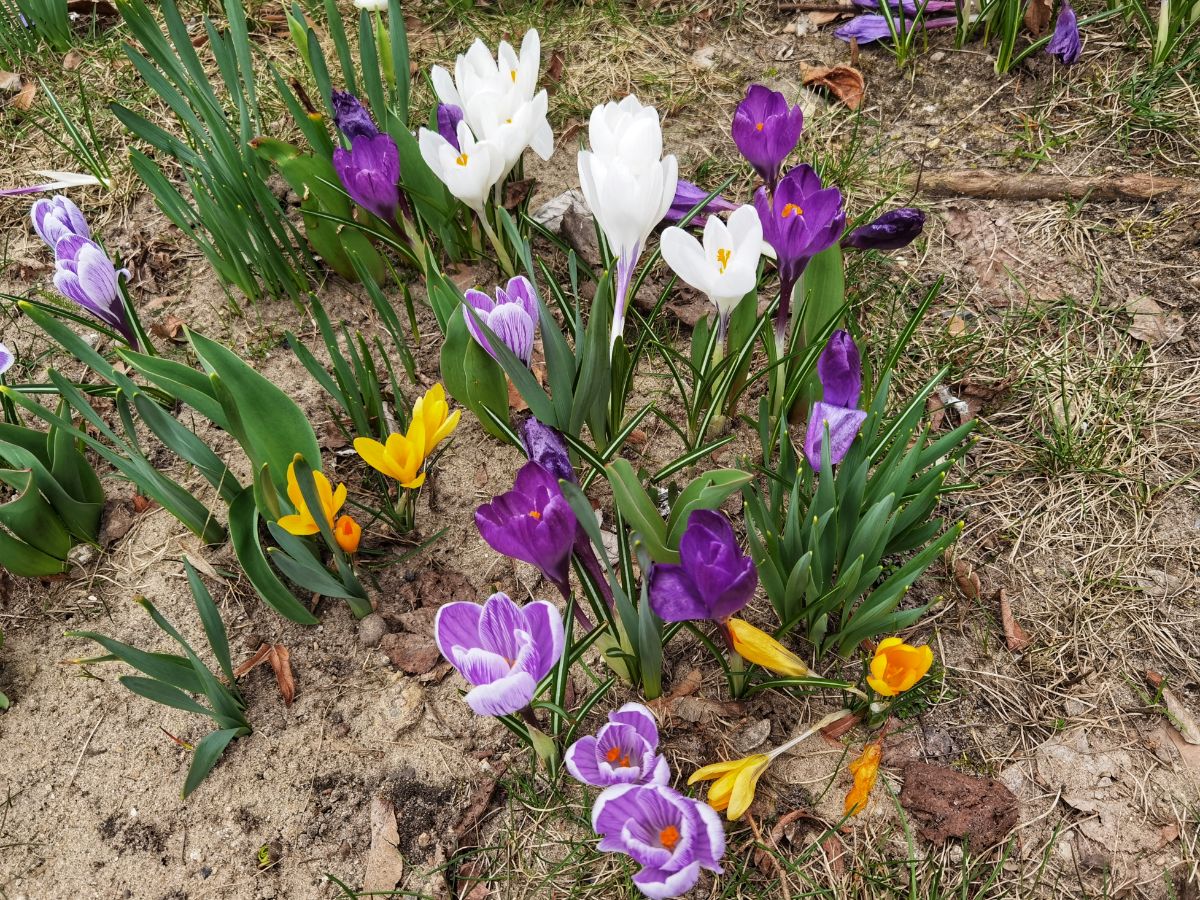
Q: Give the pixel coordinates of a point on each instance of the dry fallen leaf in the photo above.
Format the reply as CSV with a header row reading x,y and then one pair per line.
x,y
956,326
24,99
170,329
554,71
1037,16
141,504
967,580
844,82
279,658
1181,717
1152,324
1014,635
72,61
836,729
10,82
385,865
795,829
480,801
823,18
515,192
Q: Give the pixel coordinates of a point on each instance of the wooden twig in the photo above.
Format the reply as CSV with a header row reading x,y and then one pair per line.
x,y
818,6
992,184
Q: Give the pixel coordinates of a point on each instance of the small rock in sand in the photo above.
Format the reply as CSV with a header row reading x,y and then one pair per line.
x,y
371,630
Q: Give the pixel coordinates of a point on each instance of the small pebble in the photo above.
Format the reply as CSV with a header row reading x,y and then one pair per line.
x,y
371,630
937,56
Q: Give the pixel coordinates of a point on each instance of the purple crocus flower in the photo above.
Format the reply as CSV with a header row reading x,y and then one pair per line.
x,y
801,219
625,751
766,129
912,7
370,173
448,117
352,117
687,195
713,578
894,229
534,523
84,274
512,316
546,447
1065,44
6,359
56,217
671,836
870,28
840,370
502,649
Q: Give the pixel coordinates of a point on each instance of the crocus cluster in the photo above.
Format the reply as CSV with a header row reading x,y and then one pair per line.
x,y
503,650
628,185
490,110
402,456
512,315
83,273
303,521
370,169
837,414
672,837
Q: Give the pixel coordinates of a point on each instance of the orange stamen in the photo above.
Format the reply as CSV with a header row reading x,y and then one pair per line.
x,y
612,754
534,514
669,837
759,126
791,209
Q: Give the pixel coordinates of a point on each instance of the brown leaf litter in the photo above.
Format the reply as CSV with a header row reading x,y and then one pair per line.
x,y
846,83
277,656
945,803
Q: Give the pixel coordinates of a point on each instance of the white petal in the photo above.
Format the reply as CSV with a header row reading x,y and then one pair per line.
x,y
686,258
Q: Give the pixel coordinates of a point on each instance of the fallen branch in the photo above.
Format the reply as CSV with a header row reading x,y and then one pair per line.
x,y
991,184
818,6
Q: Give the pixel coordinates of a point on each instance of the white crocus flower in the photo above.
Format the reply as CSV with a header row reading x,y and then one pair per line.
x,y
725,266
372,5
469,171
497,92
627,185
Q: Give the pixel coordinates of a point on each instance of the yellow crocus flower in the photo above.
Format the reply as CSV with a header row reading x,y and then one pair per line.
x,y
897,666
302,522
758,647
431,419
400,458
733,783
347,533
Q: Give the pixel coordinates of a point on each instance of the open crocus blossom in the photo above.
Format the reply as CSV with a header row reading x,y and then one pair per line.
x,y
54,218
1065,44
671,836
498,97
801,218
894,229
399,458
512,316
628,185
432,419
302,522
83,273
534,523
869,28
713,579
351,116
840,370
502,649
898,666
6,359
725,266
625,751
865,770
347,533
766,129
370,173
687,196
468,168
758,647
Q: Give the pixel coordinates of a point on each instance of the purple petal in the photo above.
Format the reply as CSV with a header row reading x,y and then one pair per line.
x,y
673,597
894,229
457,625
544,624
710,843
840,369
659,884
661,773
352,117
481,666
1066,44
546,447
57,217
640,719
843,429
687,195
448,117
612,809
580,759
6,359
512,325
498,622
503,697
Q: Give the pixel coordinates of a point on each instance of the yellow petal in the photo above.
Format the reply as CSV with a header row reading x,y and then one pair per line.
x,y
293,488
720,791
760,648
715,770
445,430
744,786
298,525
348,533
339,500
414,483
887,643
375,456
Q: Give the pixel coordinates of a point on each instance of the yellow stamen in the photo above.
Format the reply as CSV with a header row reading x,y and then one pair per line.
x,y
723,257
669,837
534,514
759,126
791,209
461,159
513,73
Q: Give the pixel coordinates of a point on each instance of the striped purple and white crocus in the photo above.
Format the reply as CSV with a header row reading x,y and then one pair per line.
x,y
625,751
512,316
6,359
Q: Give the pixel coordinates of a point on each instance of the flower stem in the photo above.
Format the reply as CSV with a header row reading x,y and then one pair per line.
x,y
501,252
827,720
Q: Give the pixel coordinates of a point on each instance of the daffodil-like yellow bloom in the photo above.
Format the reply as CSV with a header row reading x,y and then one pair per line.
x,y
763,650
302,522
400,458
347,533
865,770
733,783
431,420
897,666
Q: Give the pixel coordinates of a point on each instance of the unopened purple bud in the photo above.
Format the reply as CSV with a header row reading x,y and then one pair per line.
x,y
894,229
370,173
840,370
56,217
713,579
546,447
512,316
687,195
448,117
1066,44
85,275
352,117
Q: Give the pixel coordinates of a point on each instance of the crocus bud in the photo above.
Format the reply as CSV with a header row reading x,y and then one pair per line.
x,y
348,533
894,229
512,316
546,447
84,274
448,117
1065,44
766,130
840,370
370,173
352,117
687,195
56,217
